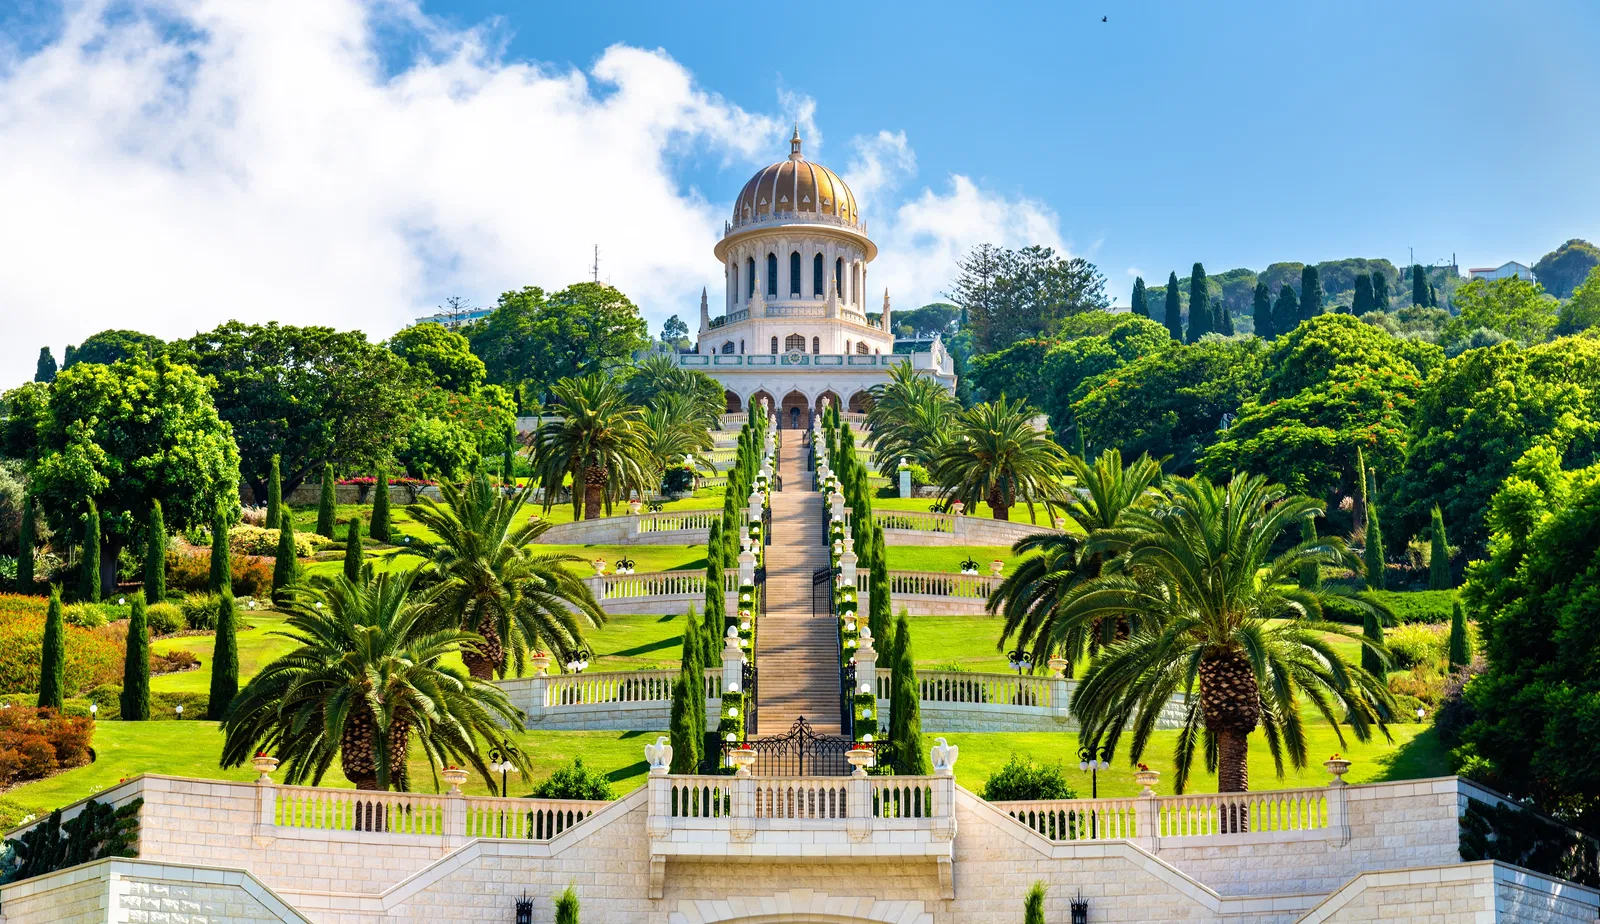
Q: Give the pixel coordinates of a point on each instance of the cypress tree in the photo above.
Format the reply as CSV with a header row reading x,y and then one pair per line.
x,y
45,369
880,611
1261,308
274,490
25,547
1033,905
136,666
508,463
325,504
1460,646
1309,578
1286,314
285,567
1380,291
68,356
905,711
1226,317
224,661
53,655
1139,307
90,587
1201,318
1371,660
1363,298
378,529
221,555
1433,295
1310,293
567,907
352,551
155,556
1374,557
716,603
1419,286
1359,514
1439,555
687,725
1174,315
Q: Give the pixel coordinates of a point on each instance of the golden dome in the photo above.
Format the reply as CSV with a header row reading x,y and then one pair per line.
x,y
795,187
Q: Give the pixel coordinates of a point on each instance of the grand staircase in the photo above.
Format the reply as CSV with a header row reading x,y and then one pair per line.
x,y
796,654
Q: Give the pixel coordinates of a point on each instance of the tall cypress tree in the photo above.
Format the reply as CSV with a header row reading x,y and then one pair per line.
x,y
155,556
1174,313
1309,576
45,369
1460,647
1261,308
1310,293
1286,313
352,551
325,504
716,602
687,723
1419,286
1359,513
1201,319
25,547
905,710
221,555
285,567
378,529
136,666
880,607
1033,905
1363,297
274,490
1139,307
1433,295
224,661
1225,317
89,588
1372,628
1380,291
1374,557
53,655
1439,555
508,461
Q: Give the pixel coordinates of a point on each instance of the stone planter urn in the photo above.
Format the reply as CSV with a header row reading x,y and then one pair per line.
x,y
634,507
860,758
264,765
1148,780
1058,665
996,566
741,758
541,663
455,776
956,507
1337,766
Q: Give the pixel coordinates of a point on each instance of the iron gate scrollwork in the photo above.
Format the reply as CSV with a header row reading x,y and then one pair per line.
x,y
801,752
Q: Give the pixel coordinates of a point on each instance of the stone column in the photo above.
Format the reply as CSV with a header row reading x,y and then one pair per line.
x,y
836,505
858,807
867,669
658,823
847,569
747,567
1147,820
905,479
1060,690
732,662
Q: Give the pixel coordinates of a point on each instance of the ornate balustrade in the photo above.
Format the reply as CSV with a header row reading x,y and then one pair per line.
x,y
612,687
452,815
526,819
1156,821
915,521
667,522
657,584
937,584
985,689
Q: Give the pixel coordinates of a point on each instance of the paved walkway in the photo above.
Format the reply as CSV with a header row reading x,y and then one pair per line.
x,y
796,654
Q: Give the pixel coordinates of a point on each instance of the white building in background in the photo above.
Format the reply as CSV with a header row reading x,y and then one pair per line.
x,y
794,327
455,320
1503,271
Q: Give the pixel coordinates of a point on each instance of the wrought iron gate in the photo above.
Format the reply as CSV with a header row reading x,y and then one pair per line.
x,y
801,752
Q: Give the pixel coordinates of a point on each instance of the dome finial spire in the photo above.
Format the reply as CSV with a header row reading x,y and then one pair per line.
x,y
794,143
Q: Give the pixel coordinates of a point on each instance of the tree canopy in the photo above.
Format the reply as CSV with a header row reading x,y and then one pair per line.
x,y
442,357
1011,295
1516,308
109,346
1563,269
540,339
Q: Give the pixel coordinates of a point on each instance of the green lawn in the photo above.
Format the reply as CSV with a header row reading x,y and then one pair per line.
x,y
948,557
628,643
967,641
257,647
305,517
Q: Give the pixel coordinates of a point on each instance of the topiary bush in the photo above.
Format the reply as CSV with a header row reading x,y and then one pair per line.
x,y
1022,779
574,781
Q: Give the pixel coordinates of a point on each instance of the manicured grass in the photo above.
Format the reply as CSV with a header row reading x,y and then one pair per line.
x,y
257,647
948,557
628,643
1414,753
966,641
645,557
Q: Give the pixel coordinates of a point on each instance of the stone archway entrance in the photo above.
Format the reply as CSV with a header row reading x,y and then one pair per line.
x,y
732,399
826,398
792,415
858,402
755,400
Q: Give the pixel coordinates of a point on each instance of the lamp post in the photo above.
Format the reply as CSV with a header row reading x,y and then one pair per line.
x,y
179,710
500,762
1020,660
580,660
1094,760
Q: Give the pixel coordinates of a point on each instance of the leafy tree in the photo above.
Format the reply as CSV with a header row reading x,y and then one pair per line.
x,y
89,587
1021,779
1286,314
1331,346
1138,306
996,455
930,319
1011,295
1363,301
1261,309
1563,269
135,699
1174,312
1033,905
490,579
1582,311
368,676
45,369
542,339
285,567
439,449
674,330
378,529
126,435
25,541
311,395
325,504
53,655
1311,299
687,723
1201,318
225,657
440,357
596,439
1380,292
1439,555
567,906
1017,370
905,709
1069,366
155,556
353,555
1198,581
110,346
1516,308
274,492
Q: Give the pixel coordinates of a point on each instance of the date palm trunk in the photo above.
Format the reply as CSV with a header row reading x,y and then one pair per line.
x,y
594,483
358,747
999,504
486,659
1231,703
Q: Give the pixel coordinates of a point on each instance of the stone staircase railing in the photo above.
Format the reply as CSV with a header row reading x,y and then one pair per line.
x,y
954,585
403,813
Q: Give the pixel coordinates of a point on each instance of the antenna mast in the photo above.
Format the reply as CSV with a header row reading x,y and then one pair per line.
x,y
595,269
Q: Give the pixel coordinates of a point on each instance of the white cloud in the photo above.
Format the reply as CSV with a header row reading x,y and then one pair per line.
x,y
200,160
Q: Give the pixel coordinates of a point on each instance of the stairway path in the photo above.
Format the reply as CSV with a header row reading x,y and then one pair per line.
x,y
796,653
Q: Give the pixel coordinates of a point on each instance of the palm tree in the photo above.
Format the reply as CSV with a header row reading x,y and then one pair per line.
x,y
997,454
659,374
488,579
673,432
911,416
367,677
1196,577
596,439
1055,563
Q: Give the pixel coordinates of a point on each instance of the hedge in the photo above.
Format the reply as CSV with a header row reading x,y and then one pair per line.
x,y
1408,606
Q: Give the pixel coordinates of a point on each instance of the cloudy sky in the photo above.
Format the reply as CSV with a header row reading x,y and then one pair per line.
x,y
168,164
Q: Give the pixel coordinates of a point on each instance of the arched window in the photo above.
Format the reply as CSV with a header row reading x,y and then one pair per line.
x,y
736,283
741,347
816,275
727,347
816,345
861,348
794,274
750,278
847,346
855,285
772,275
794,342
838,277
774,344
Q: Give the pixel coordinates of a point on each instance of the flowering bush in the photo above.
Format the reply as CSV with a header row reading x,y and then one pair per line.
x,y
94,656
253,540
190,572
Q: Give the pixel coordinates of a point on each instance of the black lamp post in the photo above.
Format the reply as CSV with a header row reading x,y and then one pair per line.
x,y
1021,660
500,759
524,909
1080,909
1094,759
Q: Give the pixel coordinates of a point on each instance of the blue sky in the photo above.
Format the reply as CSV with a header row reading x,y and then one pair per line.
x,y
355,163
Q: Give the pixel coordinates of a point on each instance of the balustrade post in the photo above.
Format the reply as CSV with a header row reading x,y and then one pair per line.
x,y
858,807
1338,807
1147,820
747,567
743,799
732,662
455,810
836,505
1060,690
266,796
847,569
944,789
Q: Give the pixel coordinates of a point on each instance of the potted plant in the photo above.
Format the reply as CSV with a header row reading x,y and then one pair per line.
x,y
541,662
264,765
860,756
741,757
1147,778
455,776
1337,766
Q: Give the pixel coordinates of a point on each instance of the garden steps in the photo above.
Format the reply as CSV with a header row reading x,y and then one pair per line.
x,y
796,654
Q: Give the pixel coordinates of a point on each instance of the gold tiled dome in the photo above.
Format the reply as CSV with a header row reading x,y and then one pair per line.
x,y
795,185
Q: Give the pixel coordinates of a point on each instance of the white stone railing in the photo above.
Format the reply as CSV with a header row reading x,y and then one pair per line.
x,y
669,522
525,819
451,815
655,584
915,521
995,689
594,688
937,584
1154,821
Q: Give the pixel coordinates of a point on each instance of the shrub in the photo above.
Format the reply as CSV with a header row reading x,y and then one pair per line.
x,y
1424,683
1416,644
1455,711
84,615
252,516
37,742
255,540
200,612
108,696
94,656
252,577
162,706
1023,779
1430,606
574,781
188,571
165,619
178,659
